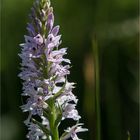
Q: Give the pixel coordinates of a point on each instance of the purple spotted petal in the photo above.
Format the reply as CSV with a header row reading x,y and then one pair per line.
x,y
38,39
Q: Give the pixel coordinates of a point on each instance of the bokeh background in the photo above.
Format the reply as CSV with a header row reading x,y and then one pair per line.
x,y
115,24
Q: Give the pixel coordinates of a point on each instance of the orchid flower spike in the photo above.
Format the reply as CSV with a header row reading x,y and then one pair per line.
x,y
44,71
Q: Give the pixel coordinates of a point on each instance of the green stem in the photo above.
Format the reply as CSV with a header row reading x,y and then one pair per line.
x,y
54,129
97,91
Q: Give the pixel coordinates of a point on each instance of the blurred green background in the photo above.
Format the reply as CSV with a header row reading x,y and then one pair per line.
x,y
115,24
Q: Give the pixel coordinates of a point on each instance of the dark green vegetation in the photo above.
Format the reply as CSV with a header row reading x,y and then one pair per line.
x,y
115,23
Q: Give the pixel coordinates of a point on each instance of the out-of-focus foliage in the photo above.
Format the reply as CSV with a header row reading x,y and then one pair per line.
x,y
115,23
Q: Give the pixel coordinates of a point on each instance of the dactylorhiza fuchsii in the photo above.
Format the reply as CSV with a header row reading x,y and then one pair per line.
x,y
44,73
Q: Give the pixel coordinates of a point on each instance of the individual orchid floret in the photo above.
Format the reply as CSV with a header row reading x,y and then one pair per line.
x,y
72,132
44,71
35,133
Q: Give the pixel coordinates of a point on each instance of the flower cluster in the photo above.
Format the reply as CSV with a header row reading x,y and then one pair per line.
x,y
44,73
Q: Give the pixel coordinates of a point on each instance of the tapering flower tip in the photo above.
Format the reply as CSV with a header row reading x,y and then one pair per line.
x,y
50,21
33,13
38,25
43,12
72,132
48,3
55,30
30,29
